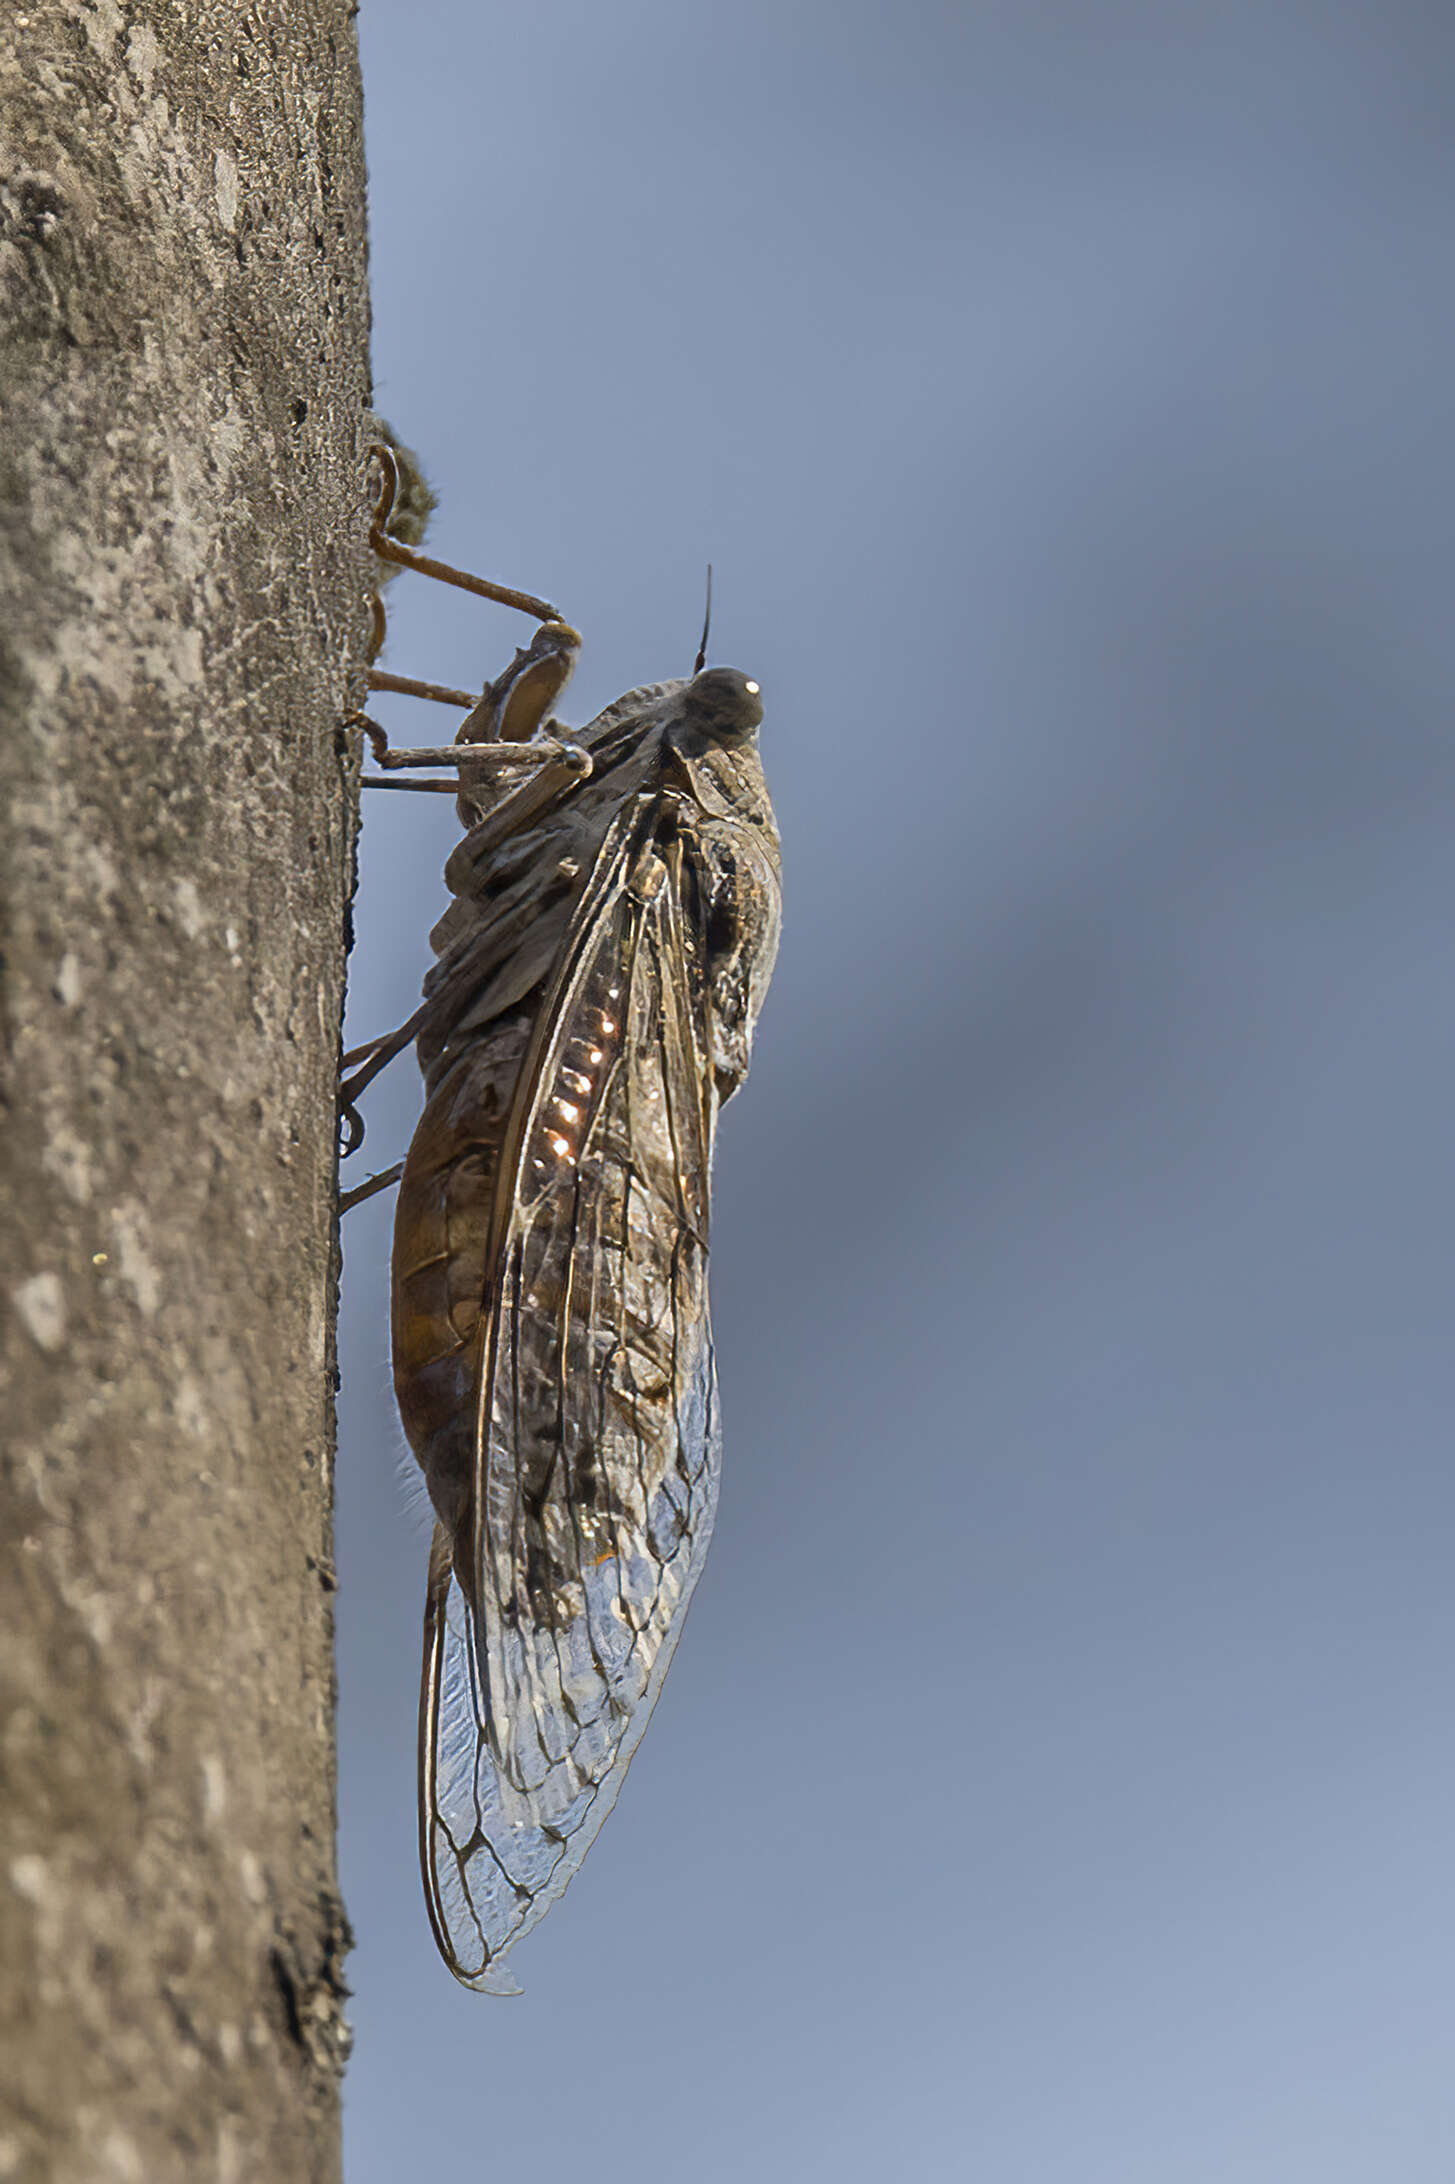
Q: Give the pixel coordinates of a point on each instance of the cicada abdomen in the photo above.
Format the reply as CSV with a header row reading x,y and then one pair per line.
x,y
597,981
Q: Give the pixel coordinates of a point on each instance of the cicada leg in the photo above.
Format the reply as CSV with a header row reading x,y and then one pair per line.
x,y
558,768
384,1181
505,730
409,557
374,1055
504,723
408,686
492,757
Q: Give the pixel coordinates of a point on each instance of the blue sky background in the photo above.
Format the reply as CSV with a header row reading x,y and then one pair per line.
x,y
1055,1781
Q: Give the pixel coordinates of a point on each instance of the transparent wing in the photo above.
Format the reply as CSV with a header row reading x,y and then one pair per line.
x,y
599,1443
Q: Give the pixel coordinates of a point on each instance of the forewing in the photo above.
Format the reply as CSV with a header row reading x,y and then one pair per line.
x,y
598,1478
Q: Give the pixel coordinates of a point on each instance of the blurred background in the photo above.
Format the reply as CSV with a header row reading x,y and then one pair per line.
x,y
1055,1780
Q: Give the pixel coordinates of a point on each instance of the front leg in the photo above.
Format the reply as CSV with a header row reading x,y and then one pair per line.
x,y
506,729
480,759
385,1181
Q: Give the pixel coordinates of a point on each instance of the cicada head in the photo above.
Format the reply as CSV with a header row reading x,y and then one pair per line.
x,y
721,705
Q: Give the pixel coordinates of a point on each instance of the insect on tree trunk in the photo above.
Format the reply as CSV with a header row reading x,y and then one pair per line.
x,y
183,358
597,984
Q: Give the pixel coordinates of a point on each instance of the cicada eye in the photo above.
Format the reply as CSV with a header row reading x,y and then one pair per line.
x,y
724,704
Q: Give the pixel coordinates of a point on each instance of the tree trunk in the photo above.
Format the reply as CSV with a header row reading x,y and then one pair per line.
x,y
183,369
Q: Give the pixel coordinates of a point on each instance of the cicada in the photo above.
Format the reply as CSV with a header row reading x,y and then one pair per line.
x,y
597,979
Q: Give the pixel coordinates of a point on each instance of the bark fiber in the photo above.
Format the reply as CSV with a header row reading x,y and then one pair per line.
x,y
183,377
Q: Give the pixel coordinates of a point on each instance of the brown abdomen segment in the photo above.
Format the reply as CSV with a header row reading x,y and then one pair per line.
x,y
442,1227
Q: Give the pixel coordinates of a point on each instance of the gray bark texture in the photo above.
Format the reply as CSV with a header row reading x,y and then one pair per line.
x,y
184,378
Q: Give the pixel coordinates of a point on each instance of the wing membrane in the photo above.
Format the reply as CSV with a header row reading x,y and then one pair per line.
x,y
598,1429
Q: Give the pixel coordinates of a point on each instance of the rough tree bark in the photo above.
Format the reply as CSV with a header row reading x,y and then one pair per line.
x,y
183,373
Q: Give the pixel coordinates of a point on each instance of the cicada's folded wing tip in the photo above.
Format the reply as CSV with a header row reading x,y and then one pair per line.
x,y
497,1978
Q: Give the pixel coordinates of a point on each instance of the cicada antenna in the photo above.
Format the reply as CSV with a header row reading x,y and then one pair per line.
x,y
701,661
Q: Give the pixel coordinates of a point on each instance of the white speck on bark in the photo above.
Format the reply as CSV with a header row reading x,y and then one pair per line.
x,y
41,1305
29,1878
125,2161
99,870
141,56
317,1330
104,25
190,914
133,1264
214,1787
189,1407
224,175
68,1158
229,2148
